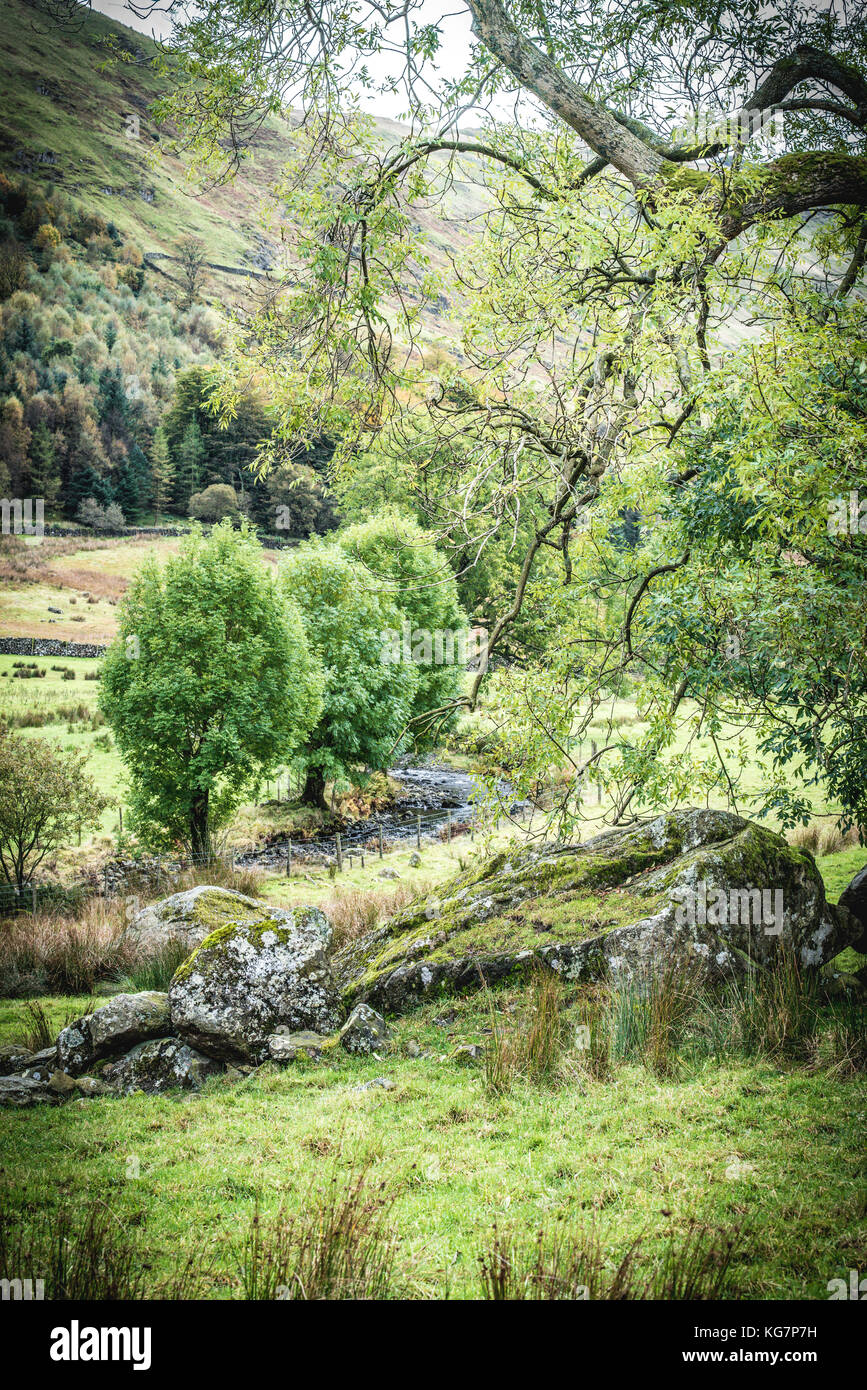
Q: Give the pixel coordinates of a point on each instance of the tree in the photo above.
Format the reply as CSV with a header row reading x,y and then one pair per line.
x,y
46,796
90,513
44,477
192,259
13,268
162,472
403,564
14,443
633,260
209,686
192,451
300,502
366,701
216,502
132,481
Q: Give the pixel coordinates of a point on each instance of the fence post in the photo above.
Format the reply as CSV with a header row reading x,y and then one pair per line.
x,y
288,858
120,820
339,850
380,842
418,832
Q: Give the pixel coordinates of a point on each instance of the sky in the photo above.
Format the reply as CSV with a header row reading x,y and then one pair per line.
x,y
452,60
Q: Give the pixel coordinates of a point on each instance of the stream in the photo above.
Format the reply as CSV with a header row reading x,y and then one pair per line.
x,y
434,793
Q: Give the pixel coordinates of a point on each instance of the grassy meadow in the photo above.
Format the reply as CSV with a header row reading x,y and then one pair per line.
x,y
738,1167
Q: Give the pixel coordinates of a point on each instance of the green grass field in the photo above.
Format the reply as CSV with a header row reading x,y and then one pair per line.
x,y
772,1157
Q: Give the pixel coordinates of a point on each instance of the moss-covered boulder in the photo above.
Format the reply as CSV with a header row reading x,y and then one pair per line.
x,y
190,916
167,1064
125,1020
247,981
694,886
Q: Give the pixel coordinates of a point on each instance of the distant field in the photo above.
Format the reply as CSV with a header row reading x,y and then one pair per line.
x,y
83,581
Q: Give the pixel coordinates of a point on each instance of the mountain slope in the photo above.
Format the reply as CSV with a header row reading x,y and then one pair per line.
x,y
76,114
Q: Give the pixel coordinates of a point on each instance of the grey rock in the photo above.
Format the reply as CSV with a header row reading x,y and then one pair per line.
x,y
365,1031
248,981
40,1065
89,1086
854,899
19,1091
388,873
115,1027
166,1064
468,1052
286,1046
414,859
60,1084
14,1058
188,917
702,890
381,1083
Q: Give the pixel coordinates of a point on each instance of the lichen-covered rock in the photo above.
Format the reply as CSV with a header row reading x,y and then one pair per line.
x,y
61,1084
113,1028
90,1087
187,918
285,1047
167,1064
18,1091
854,899
247,981
40,1065
695,887
14,1057
364,1032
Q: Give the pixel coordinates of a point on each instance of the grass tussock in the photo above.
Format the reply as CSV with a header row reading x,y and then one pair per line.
x,y
154,972
340,1245
528,1047
355,911
784,1015
77,1253
39,1032
820,838
54,953
219,873
570,1265
650,1013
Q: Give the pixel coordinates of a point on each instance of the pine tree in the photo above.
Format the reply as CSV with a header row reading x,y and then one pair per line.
x,y
162,473
44,476
192,452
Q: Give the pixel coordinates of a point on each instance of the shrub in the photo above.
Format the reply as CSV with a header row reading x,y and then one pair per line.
x,y
217,501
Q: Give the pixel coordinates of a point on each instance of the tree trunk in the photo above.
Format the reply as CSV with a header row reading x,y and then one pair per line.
x,y
200,840
314,789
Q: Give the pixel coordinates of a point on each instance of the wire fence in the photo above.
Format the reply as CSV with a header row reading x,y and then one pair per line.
x,y
338,851
344,847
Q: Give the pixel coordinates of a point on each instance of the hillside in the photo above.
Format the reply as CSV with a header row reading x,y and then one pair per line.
x,y
86,129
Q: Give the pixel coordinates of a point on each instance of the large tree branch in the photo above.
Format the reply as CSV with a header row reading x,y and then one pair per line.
x,y
609,138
